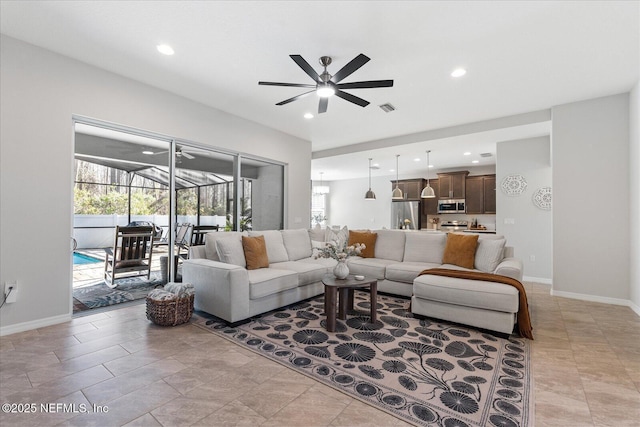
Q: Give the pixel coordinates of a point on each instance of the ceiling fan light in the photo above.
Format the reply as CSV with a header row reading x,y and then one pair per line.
x,y
427,192
325,90
148,152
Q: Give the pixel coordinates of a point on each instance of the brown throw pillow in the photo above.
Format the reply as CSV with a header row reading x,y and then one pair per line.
x,y
460,250
255,252
367,238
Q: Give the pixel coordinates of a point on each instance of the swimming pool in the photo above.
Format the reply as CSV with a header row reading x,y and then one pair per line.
x,y
79,259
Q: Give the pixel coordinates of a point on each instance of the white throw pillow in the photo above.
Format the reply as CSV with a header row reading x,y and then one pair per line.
x,y
297,243
317,233
489,253
276,252
210,250
230,251
339,238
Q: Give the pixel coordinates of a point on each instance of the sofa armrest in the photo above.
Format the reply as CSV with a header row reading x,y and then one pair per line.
x,y
510,267
221,289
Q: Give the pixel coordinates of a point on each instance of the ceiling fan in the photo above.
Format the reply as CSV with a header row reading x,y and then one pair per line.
x,y
326,85
180,152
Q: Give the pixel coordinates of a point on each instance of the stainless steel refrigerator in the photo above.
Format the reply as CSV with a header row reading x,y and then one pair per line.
x,y
403,211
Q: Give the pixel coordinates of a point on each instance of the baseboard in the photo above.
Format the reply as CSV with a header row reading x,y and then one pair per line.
x,y
596,298
542,280
634,307
34,324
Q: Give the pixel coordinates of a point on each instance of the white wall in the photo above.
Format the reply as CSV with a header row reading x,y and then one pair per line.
x,y
590,159
634,193
531,233
41,91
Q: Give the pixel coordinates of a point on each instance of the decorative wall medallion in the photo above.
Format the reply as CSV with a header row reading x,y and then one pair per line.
x,y
542,198
513,185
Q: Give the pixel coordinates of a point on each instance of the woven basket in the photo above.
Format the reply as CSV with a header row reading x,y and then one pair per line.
x,y
170,312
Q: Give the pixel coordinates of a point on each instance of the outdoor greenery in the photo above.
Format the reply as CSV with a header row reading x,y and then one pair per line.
x,y
88,202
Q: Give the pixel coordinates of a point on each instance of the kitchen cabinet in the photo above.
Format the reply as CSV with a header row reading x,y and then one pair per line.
x,y
452,185
411,188
481,194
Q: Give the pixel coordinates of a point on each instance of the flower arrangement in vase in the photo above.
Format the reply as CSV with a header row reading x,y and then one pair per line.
x,y
340,254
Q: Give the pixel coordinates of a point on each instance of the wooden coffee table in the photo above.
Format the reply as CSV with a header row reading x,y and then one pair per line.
x,y
345,287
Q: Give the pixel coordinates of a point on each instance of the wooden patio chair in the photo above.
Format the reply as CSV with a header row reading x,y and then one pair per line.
x,y
199,232
131,252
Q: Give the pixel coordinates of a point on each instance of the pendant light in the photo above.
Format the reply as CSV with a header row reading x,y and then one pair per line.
x,y
370,194
320,189
427,192
397,192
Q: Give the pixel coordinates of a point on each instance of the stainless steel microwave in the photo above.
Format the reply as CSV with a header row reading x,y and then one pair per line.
x,y
451,206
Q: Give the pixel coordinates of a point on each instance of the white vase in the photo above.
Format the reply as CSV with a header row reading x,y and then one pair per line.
x,y
341,270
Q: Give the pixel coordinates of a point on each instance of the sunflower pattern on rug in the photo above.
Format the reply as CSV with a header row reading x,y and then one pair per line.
x,y
423,371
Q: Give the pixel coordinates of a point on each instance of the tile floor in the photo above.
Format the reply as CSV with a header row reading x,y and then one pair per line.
x,y
586,359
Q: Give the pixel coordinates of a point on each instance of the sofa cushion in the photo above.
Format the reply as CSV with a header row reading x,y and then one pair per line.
x,y
406,272
469,293
255,252
268,281
275,245
390,244
308,272
370,267
424,247
317,233
489,254
460,250
210,250
327,263
367,238
230,251
297,243
339,237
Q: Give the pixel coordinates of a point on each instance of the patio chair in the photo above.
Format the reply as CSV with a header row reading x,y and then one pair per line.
x,y
131,252
183,238
199,232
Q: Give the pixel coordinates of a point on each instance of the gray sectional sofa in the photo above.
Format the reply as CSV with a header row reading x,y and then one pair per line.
x,y
227,289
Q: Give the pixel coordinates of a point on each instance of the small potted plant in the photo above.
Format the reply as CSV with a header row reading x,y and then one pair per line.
x,y
331,250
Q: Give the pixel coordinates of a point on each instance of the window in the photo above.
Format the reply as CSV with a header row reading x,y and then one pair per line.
x,y
319,195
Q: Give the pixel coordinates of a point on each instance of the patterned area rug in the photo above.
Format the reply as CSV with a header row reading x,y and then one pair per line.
x,y
128,289
423,371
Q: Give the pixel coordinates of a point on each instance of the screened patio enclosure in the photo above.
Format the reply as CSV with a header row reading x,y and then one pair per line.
x,y
118,182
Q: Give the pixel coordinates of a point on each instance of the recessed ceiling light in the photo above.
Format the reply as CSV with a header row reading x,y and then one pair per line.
x,y
430,166
148,152
458,72
308,116
467,153
392,170
165,49
376,165
475,161
417,159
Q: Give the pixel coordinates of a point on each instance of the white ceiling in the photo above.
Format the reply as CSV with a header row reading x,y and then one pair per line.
x,y
520,57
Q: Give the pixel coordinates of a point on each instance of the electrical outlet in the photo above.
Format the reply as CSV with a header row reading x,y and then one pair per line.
x,y
509,221
14,291
532,258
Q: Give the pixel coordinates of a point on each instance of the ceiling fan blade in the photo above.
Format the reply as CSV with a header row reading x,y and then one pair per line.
x,y
285,84
348,69
322,107
351,98
286,101
306,67
187,155
366,85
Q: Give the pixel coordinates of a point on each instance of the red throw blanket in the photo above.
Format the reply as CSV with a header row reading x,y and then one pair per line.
x,y
524,321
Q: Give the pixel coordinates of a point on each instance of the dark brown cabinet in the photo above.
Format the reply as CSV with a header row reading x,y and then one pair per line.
x,y
452,185
411,188
481,194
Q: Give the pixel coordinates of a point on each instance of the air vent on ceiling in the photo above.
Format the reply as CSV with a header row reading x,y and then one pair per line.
x,y
486,154
387,108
